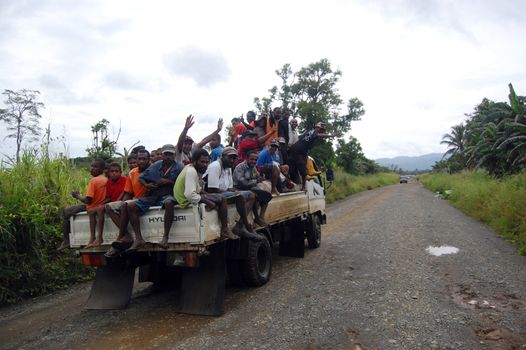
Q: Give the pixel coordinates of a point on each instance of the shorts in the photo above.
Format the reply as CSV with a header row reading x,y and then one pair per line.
x,y
229,194
266,170
144,203
116,206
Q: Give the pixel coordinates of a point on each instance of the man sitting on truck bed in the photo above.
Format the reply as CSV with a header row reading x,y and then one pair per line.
x,y
189,189
117,211
159,179
246,177
219,180
95,196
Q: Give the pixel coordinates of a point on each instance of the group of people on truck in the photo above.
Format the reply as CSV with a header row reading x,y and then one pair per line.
x,y
264,157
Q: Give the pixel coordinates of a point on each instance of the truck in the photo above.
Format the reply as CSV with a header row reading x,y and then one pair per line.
x,y
197,263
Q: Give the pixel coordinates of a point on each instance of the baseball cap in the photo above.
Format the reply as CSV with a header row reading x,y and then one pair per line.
x,y
282,140
188,139
229,151
273,143
168,148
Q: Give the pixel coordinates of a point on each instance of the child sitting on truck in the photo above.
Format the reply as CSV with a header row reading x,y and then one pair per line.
x,y
95,196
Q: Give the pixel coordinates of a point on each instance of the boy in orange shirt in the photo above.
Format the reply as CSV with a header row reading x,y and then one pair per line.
x,y
95,196
117,211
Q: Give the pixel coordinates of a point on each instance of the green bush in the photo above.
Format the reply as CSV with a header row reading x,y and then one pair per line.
x,y
32,193
345,184
497,202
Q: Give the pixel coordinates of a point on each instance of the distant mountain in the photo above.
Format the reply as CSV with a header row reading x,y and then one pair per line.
x,y
424,162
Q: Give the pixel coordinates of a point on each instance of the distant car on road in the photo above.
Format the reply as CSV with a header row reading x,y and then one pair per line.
x,y
404,179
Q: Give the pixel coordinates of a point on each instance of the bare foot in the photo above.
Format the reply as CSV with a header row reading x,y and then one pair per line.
x,y
260,222
275,193
137,244
163,243
125,239
227,234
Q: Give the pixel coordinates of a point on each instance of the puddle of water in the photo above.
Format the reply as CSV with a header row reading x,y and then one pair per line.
x,y
443,250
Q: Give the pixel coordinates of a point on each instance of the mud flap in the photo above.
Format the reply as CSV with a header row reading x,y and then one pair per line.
x,y
202,289
293,240
112,287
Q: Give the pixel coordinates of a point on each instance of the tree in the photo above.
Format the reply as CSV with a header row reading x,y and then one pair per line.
x,y
311,94
21,116
350,157
493,137
102,146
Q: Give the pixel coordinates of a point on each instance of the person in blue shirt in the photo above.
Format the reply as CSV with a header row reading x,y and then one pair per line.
x,y
215,148
268,164
159,178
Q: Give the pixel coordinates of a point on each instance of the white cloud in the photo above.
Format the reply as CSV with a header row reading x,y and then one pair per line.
x,y
417,66
205,67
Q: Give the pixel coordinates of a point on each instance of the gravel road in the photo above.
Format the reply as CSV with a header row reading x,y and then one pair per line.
x,y
371,285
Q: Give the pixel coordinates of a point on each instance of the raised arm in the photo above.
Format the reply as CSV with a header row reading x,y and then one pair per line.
x,y
267,135
211,136
326,136
187,125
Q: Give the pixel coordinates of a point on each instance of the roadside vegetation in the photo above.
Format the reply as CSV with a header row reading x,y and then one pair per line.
x,y
35,186
32,193
483,172
346,184
497,202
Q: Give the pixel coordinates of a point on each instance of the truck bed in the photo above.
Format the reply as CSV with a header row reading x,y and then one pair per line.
x,y
195,225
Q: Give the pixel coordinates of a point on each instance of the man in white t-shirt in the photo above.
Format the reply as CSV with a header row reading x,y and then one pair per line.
x,y
186,145
219,179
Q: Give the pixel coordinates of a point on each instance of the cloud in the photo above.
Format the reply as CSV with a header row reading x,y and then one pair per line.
x,y
206,68
51,82
124,80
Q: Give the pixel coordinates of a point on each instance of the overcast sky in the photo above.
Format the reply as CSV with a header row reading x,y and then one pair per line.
x,y
418,66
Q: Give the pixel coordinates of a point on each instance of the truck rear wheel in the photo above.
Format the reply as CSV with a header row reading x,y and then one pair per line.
x,y
314,232
257,268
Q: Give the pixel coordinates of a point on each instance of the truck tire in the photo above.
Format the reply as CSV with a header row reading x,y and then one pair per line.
x,y
257,268
314,231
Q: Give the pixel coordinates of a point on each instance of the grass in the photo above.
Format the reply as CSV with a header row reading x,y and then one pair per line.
x,y
346,184
500,203
32,194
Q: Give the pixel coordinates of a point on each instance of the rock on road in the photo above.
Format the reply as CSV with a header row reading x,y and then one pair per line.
x,y
371,285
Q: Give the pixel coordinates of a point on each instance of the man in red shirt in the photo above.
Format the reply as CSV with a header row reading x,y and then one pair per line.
x,y
238,129
248,143
117,211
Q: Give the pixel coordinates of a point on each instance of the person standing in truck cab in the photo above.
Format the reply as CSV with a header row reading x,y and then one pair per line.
x,y
299,151
159,179
189,189
95,196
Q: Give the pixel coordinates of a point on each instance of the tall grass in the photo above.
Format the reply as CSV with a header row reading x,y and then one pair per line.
x,y
346,184
500,203
32,193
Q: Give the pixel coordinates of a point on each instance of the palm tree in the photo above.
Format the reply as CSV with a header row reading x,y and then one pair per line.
x,y
455,141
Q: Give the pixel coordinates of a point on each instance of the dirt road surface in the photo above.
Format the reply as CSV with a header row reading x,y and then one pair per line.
x,y
371,285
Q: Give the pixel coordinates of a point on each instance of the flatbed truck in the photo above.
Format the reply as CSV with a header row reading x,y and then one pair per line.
x,y
197,262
